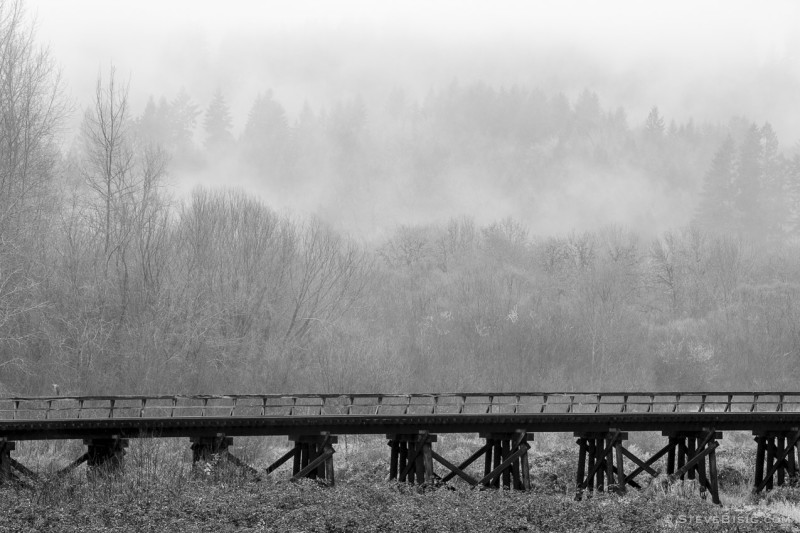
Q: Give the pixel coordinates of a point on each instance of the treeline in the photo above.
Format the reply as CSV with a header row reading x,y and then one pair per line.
x,y
518,143
110,285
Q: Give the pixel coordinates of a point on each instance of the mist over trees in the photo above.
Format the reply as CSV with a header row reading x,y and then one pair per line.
x,y
112,283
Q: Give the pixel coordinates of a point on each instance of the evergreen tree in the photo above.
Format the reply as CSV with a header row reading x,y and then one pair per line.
x,y
774,186
717,205
265,139
749,197
183,115
654,125
153,125
793,192
217,124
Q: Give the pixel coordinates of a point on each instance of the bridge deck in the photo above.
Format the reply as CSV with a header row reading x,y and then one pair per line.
x,y
98,416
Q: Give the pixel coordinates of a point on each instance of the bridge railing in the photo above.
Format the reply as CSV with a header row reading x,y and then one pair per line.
x,y
249,405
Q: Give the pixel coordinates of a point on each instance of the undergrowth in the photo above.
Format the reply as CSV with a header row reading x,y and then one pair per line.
x,y
160,491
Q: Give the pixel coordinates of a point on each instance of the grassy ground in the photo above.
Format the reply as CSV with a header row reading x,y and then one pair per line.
x,y
159,492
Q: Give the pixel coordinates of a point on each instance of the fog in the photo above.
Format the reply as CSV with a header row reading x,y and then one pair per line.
x,y
707,62
200,197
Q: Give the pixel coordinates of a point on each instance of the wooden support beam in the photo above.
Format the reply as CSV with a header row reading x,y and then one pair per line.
x,y
313,456
73,465
105,455
644,466
6,447
777,458
293,453
411,457
692,462
494,474
312,465
454,470
484,450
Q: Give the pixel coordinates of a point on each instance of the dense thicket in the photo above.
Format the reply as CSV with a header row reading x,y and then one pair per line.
x,y
108,284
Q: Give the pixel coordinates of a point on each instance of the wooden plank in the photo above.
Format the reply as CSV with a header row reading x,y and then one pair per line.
x,y
403,461
329,473
427,456
313,465
770,462
693,461
775,464
495,474
506,451
579,477
714,481
620,467
526,472
283,458
393,459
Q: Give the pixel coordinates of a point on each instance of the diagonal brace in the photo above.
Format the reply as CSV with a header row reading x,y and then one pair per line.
x,y
472,458
779,460
522,450
454,470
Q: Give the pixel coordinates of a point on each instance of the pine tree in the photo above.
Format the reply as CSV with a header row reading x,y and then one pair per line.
x,y
749,189
774,186
183,114
654,125
717,206
217,124
265,139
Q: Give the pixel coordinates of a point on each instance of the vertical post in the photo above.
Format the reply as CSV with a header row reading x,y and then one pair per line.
x,y
297,458
526,472
671,455
579,478
691,445
497,459
506,447
427,453
106,454
770,459
608,458
712,471
600,459
761,443
393,460
403,461
328,448
6,448
487,459
621,482
781,439
419,462
591,443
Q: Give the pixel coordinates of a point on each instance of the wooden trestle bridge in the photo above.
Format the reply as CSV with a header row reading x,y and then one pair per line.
x,y
691,423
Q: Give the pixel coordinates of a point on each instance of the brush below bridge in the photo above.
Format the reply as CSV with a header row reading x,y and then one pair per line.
x,y
691,422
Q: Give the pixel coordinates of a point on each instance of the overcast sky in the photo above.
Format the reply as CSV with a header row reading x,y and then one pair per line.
x,y
631,52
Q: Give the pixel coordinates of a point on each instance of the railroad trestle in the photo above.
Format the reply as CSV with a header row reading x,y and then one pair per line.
x,y
692,424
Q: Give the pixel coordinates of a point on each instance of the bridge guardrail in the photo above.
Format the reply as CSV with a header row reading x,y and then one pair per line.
x,y
254,405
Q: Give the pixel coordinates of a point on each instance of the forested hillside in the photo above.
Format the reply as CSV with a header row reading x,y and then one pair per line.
x,y
114,281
